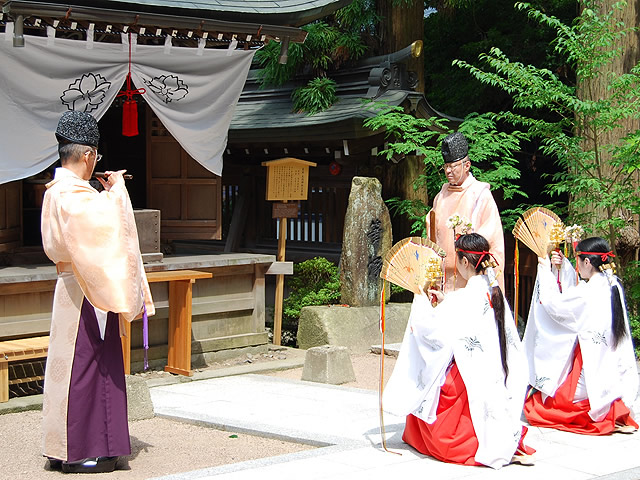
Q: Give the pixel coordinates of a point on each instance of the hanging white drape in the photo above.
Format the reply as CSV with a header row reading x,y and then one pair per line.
x,y
192,91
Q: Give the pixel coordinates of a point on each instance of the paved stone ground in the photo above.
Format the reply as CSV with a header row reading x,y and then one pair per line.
x,y
338,424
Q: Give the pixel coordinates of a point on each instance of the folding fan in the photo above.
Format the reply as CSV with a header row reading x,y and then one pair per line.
x,y
539,229
412,263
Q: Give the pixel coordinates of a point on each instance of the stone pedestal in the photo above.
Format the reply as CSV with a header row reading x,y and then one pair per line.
x,y
354,327
328,364
148,225
139,404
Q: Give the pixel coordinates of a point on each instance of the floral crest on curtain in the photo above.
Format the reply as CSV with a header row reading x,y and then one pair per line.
x,y
86,93
168,87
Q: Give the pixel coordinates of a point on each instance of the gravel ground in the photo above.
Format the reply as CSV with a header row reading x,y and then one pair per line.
x,y
155,442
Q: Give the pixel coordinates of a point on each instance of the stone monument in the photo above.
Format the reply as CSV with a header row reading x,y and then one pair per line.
x,y
367,237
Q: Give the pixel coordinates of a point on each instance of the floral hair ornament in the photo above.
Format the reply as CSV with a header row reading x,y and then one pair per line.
x,y
456,220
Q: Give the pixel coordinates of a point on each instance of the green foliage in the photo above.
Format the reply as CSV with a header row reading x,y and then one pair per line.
x,y
491,152
314,282
274,73
317,96
328,45
595,171
463,29
631,282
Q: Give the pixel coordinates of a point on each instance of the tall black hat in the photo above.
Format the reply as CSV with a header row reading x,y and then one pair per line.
x,y
454,147
78,127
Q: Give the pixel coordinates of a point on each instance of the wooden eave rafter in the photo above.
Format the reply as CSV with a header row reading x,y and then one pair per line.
x,y
27,8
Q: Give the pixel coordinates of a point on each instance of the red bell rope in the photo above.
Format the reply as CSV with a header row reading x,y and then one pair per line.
x,y
558,278
128,92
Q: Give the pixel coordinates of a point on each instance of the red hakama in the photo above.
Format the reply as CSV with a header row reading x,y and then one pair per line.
x,y
561,413
451,438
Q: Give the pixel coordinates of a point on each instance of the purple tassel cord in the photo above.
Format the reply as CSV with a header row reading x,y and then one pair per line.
x,y
145,335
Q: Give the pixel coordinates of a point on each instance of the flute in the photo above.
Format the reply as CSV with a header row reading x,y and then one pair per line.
x,y
105,176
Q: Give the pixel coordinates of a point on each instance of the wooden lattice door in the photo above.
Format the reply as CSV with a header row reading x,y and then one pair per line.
x,y
10,216
188,196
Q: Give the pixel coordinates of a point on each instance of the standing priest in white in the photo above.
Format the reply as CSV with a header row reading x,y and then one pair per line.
x,y
92,239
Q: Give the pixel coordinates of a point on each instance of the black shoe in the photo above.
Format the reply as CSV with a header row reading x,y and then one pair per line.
x,y
54,464
91,465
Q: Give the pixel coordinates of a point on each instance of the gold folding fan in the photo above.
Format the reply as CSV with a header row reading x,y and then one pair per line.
x,y
539,229
412,263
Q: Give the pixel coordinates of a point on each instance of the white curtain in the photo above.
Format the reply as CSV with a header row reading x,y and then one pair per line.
x,y
193,91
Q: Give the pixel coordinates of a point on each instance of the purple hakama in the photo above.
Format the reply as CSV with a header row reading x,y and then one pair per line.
x,y
97,414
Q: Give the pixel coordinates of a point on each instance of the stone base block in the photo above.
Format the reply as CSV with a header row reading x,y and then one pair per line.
x,y
139,405
354,327
328,364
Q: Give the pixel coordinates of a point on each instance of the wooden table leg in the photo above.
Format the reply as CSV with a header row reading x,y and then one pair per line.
x,y
179,357
4,381
126,348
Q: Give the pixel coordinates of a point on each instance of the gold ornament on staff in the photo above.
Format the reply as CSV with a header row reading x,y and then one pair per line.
x,y
557,235
433,276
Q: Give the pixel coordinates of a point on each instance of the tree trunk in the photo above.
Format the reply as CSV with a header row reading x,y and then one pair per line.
x,y
400,26
596,88
399,178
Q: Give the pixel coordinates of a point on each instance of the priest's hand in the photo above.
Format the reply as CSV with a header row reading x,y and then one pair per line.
x,y
112,179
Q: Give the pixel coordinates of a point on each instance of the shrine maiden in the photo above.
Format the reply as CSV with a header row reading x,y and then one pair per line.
x,y
92,239
581,359
461,373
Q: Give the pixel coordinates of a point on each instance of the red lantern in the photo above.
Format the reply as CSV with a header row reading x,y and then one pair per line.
x,y
334,168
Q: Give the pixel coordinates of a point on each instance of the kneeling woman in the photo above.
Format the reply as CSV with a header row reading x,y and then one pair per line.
x,y
461,374
581,360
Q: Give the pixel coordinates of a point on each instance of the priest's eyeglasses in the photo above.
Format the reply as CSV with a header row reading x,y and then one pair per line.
x,y
454,165
95,152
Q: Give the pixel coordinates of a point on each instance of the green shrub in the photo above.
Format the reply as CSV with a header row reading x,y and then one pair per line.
x,y
314,282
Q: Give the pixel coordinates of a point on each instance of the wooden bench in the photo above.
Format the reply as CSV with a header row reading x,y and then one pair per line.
x,y
15,351
180,298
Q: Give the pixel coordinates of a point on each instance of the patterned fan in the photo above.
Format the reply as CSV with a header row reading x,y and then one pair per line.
x,y
412,263
539,229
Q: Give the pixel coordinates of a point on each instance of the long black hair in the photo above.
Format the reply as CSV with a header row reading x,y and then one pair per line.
x,y
600,247
474,242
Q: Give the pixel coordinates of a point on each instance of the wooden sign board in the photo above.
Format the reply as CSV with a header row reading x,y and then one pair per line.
x,y
287,179
285,210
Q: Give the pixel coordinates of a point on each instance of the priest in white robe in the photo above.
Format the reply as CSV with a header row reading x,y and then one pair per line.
x,y
92,239
468,198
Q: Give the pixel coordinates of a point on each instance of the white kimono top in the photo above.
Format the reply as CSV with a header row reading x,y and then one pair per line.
x,y
463,328
581,313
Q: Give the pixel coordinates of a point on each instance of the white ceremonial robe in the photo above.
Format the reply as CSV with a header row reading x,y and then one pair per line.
x,y
473,200
463,328
93,237
580,314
